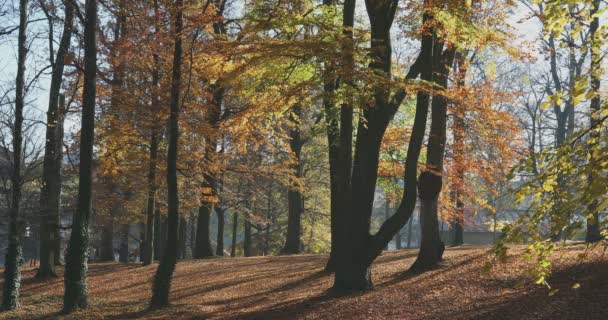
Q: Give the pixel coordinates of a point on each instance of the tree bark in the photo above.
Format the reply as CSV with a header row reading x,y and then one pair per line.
x,y
107,240
76,292
295,199
219,248
458,155
158,231
12,264
340,139
235,221
162,279
356,257
431,180
182,238
203,247
50,193
149,240
247,242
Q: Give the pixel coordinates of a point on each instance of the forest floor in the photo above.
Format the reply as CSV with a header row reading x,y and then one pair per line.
x,y
295,287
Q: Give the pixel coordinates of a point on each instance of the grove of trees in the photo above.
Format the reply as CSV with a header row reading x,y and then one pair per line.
x,y
270,127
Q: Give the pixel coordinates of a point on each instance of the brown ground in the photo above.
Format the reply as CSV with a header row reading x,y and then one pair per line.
x,y
294,287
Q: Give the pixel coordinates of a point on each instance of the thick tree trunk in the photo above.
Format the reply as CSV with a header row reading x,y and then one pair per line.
x,y
295,199
203,247
50,193
340,140
593,221
76,292
356,257
219,248
12,264
235,225
164,274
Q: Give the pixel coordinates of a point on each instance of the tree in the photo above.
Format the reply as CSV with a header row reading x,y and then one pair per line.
x,y
593,220
295,197
355,258
164,273
12,272
53,153
76,291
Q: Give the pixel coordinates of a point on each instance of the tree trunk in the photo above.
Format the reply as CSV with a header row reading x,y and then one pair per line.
x,y
203,247
182,238
148,253
355,257
340,139
162,279
247,243
123,253
235,221
76,292
107,240
458,155
50,193
158,231
387,215
219,248
295,200
593,220
409,232
12,264
431,180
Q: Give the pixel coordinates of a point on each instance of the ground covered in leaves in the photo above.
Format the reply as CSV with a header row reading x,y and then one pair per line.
x,y
295,287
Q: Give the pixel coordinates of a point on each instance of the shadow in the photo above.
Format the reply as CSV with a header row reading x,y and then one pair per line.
x,y
289,309
587,302
257,297
442,267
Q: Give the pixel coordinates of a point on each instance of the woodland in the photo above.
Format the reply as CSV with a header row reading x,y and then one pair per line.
x,y
317,159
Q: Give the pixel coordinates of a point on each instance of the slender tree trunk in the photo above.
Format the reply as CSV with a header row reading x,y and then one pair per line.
x,y
123,255
431,180
409,232
164,273
387,215
235,221
152,231
458,155
593,221
219,248
76,291
295,199
148,253
12,264
247,242
182,235
50,193
158,231
107,240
